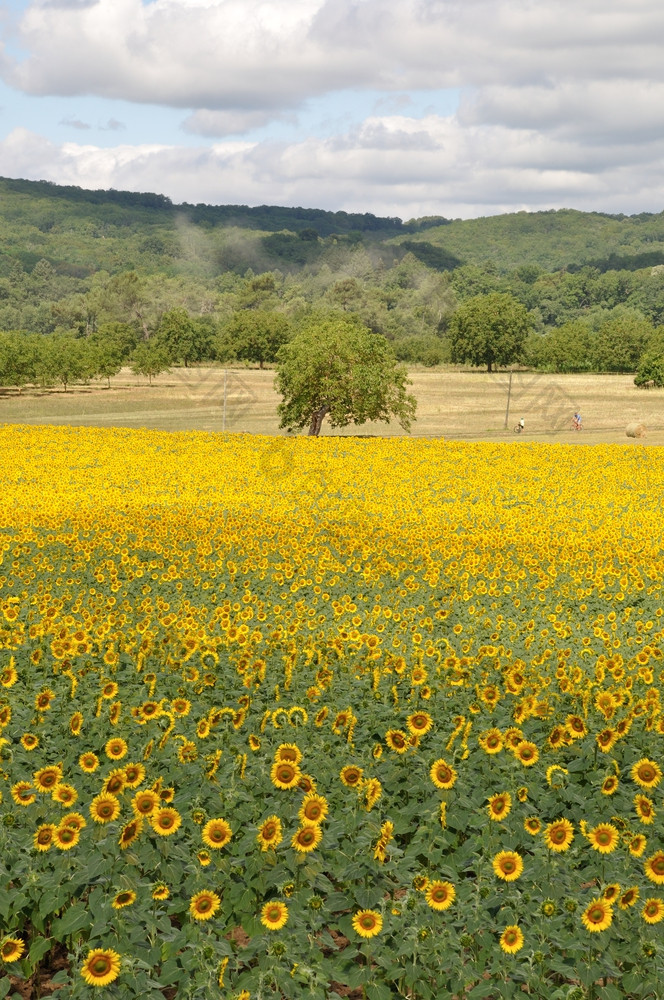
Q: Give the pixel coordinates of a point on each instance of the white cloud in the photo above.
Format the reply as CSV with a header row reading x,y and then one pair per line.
x,y
389,166
255,54
560,104
221,123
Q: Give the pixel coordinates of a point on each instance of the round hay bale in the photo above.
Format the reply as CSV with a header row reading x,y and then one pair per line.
x,y
635,430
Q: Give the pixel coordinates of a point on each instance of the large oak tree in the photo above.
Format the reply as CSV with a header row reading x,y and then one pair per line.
x,y
336,368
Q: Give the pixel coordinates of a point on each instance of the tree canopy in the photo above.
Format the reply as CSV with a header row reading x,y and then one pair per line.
x,y
489,330
336,367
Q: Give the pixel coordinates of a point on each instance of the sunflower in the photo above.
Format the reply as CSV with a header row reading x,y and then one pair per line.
x,y
76,724
115,782
606,739
628,897
372,792
149,710
29,741
75,820
124,898
442,774
101,967
367,923
440,895
511,940
576,727
43,837
9,676
181,706
532,825
285,774
499,806
88,762
645,808
104,808
646,773
559,835
307,838
23,793
144,803
204,905
306,784
611,892
134,774
66,837
419,723
313,809
109,689
204,858
597,916
165,821
203,729
492,741
397,740
11,949
130,831
508,865
116,748
527,753
636,845
603,838
654,868
270,833
653,910
47,778
351,776
288,751
609,785
216,833
274,915
161,891
43,700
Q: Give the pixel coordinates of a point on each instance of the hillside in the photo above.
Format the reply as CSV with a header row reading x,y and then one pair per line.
x,y
553,240
81,231
74,261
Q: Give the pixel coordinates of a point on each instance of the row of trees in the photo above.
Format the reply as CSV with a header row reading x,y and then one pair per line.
x,y
333,367
491,330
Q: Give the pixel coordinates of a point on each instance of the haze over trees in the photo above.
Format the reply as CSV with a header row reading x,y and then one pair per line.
x,y
199,283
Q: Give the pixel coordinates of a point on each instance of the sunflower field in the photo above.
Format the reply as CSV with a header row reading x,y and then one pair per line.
x,y
287,718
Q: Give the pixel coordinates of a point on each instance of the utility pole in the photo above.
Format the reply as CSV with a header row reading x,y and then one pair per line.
x,y
509,394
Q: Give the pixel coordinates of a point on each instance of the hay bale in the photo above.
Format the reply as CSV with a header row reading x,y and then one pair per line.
x,y
635,430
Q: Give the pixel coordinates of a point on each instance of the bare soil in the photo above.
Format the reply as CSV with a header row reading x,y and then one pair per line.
x,y
454,404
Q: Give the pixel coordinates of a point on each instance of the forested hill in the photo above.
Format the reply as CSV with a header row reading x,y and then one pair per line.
x,y
80,231
76,263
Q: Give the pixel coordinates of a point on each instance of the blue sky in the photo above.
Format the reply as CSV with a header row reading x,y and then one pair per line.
x,y
399,107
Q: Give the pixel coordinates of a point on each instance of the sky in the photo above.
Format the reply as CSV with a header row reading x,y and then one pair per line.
x,y
408,108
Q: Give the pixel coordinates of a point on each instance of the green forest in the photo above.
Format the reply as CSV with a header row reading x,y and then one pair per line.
x,y
93,280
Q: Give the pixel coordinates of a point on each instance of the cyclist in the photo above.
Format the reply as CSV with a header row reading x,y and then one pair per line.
x,y
576,422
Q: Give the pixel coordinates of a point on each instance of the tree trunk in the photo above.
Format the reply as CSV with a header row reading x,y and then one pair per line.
x,y
317,420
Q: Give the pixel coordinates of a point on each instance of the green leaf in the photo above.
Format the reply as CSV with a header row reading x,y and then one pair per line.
x,y
38,949
5,986
486,988
378,991
73,919
610,993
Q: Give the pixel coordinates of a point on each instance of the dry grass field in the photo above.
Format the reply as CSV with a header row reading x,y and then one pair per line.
x,y
460,405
